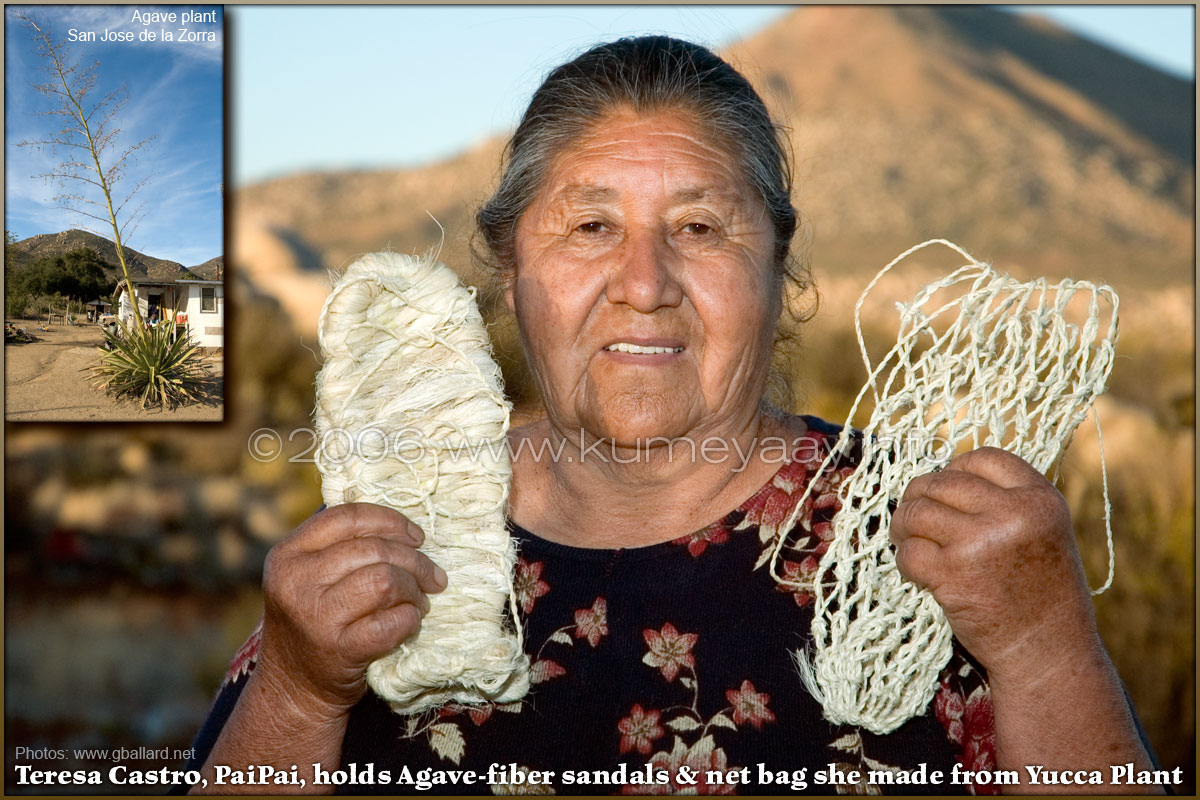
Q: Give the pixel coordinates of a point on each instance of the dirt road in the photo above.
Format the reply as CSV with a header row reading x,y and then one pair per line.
x,y
48,381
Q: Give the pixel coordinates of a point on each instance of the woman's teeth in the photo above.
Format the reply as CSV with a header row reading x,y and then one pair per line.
x,y
624,347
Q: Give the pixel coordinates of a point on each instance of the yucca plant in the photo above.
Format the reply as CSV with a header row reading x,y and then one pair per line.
x,y
151,365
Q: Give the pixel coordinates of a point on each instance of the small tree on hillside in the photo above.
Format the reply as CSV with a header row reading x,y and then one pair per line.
x,y
78,275
13,304
91,168
10,253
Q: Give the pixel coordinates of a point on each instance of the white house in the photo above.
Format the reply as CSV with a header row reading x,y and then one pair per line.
x,y
151,294
203,311
197,304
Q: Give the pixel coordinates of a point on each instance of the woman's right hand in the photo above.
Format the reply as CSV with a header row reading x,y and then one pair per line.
x,y
345,588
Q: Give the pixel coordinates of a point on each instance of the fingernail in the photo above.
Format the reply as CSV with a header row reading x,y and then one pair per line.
x,y
424,605
440,577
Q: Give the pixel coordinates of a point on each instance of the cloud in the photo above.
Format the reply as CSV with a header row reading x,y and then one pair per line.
x,y
22,176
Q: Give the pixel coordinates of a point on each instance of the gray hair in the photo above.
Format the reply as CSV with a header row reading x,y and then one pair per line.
x,y
646,73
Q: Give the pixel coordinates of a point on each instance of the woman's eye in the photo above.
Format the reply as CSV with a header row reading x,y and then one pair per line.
x,y
591,227
697,229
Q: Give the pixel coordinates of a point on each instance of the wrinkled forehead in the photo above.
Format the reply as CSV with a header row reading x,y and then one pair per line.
x,y
582,191
695,163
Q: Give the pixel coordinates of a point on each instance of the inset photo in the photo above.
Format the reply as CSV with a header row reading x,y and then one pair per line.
x,y
114,268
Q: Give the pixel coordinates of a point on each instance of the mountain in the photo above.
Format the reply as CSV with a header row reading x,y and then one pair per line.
x,y
1031,147
211,270
141,266
320,221
1026,144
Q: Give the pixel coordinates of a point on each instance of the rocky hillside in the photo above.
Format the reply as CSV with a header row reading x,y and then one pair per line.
x,y
211,270
141,265
1030,146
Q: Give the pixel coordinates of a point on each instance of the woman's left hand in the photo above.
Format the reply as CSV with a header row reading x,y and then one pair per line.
x,y
991,538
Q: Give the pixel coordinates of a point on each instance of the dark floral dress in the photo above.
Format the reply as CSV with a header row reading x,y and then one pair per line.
x,y
669,669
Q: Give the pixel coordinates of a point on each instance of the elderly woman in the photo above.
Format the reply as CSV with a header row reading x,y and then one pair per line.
x,y
642,229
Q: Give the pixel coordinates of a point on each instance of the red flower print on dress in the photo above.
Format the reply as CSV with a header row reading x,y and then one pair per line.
x,y
479,714
528,583
771,507
592,623
949,705
824,497
979,728
246,656
669,650
699,541
544,669
640,729
799,572
978,757
749,705
979,721
700,758
970,723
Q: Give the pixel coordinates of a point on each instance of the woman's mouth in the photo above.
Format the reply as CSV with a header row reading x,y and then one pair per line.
x,y
641,349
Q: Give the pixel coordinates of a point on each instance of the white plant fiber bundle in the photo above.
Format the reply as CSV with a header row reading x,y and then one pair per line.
x,y
411,415
981,359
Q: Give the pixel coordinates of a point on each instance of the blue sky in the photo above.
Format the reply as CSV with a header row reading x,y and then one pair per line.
x,y
175,94
333,88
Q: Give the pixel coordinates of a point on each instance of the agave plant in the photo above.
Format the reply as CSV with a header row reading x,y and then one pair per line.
x,y
152,365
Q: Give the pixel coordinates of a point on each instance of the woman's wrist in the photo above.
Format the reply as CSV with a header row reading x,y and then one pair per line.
x,y
1051,668
276,725
283,690
1064,711
1049,655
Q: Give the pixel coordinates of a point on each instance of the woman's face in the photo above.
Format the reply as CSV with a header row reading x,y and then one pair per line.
x,y
644,287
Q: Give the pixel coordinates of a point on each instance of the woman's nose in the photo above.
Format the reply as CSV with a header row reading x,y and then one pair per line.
x,y
643,274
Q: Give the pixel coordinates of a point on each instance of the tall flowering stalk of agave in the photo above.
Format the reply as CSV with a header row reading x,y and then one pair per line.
x,y
86,143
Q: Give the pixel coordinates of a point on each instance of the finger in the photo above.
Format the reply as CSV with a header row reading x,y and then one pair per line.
x,y
917,559
351,554
963,491
1006,470
926,518
370,589
355,519
377,634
